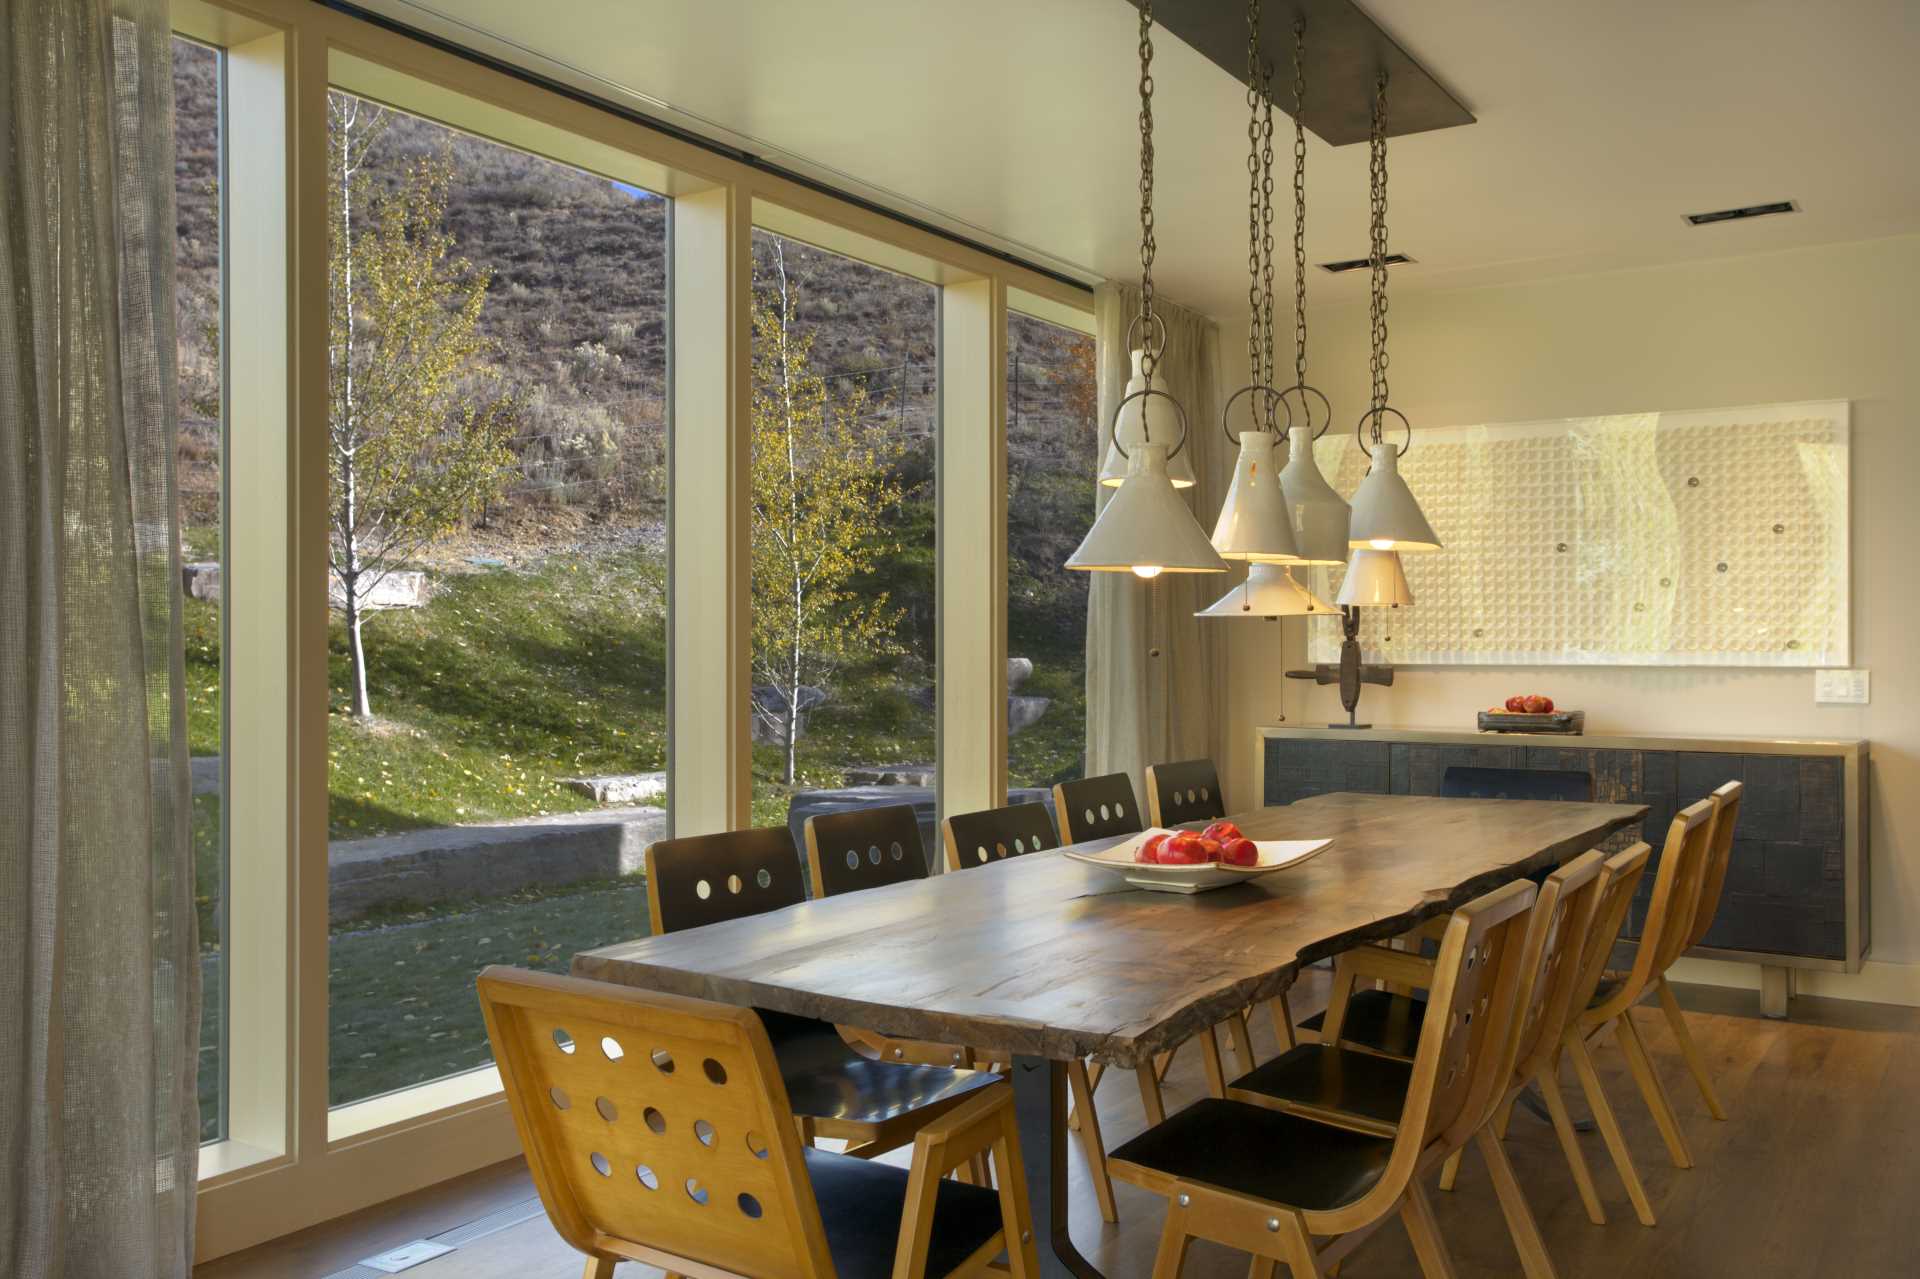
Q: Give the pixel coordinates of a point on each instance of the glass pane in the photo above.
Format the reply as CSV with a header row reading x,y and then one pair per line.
x,y
497,725
197,314
844,411
1051,462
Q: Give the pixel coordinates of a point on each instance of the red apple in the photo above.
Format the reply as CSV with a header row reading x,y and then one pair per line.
x,y
1517,705
1222,830
1240,852
1183,849
1210,848
1149,852
1538,705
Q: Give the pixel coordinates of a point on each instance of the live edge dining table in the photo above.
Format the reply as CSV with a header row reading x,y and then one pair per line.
x,y
1052,959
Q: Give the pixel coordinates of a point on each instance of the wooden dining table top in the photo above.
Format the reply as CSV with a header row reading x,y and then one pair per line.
x,y
1045,956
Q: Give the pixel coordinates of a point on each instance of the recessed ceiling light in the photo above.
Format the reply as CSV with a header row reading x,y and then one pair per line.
x,y
1746,211
1361,264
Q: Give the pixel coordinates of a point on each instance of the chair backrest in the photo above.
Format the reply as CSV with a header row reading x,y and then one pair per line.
x,y
1556,939
1466,781
1186,791
656,1127
1726,812
1095,807
864,848
704,879
1619,879
1670,922
973,839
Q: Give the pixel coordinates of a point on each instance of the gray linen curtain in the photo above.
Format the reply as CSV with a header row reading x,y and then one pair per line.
x,y
1154,670
99,988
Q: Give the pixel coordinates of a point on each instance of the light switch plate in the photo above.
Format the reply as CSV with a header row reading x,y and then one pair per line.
x,y
1841,688
406,1256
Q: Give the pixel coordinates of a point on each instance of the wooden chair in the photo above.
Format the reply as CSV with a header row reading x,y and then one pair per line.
x,y
1187,791
873,1105
871,848
1602,1002
1726,812
1096,807
994,834
658,1130
1267,1181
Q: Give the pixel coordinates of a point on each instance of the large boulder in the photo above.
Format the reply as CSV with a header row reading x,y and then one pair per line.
x,y
770,712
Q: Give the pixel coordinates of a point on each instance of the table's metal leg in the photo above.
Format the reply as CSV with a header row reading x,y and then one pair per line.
x,y
1040,1106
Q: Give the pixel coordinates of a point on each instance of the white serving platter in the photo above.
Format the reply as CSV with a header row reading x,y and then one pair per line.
x,y
1275,854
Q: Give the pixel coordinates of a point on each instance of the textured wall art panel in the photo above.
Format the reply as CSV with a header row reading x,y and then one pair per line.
x,y
1705,538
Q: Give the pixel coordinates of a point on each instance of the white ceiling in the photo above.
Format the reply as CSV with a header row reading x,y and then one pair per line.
x,y
1013,121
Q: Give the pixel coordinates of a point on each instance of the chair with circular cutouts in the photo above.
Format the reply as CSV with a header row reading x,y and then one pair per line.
x,y
995,834
658,1130
874,1105
1186,791
1096,808
864,848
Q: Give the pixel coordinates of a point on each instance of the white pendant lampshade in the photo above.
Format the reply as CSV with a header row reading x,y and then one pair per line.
x,y
1385,515
1269,591
1253,523
1130,430
1145,527
1320,515
1375,579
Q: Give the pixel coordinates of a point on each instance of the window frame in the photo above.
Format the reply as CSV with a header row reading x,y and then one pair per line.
x,y
289,1161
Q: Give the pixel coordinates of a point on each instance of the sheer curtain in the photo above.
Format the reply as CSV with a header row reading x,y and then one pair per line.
x,y
1154,670
99,988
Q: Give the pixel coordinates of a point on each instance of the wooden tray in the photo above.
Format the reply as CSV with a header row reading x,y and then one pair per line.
x,y
1566,723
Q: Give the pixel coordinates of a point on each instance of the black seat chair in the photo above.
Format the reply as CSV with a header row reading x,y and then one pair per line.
x,y
1187,790
1388,1022
994,834
1096,807
864,848
873,1105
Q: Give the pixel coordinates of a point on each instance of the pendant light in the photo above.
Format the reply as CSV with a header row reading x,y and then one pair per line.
x,y
1255,523
1375,579
1129,425
1320,515
1146,528
1385,515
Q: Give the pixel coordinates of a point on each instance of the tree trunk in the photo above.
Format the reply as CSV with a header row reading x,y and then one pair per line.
x,y
793,731
356,647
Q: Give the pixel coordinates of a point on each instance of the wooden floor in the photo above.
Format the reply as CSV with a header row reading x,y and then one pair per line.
x,y
1817,1172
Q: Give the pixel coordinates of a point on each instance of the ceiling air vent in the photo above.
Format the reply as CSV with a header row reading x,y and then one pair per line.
x,y
1361,264
1749,211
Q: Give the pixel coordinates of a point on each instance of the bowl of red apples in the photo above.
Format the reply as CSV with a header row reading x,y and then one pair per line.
x,y
1531,713
1193,861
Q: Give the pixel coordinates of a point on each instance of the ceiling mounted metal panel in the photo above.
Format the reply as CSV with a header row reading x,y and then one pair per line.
x,y
1346,50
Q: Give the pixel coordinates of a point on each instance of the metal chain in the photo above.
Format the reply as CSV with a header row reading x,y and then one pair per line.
x,y
1377,306
1258,337
1266,240
1149,357
1299,202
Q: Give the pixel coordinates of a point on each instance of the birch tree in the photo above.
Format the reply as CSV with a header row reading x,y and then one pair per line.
x,y
823,487
418,423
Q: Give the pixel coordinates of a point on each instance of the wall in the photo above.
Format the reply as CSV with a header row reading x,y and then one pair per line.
x,y
1833,322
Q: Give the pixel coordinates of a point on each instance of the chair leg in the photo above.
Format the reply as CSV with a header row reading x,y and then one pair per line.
x,y
1450,1170
1549,1082
1172,1254
1688,1049
1242,1041
1534,1260
1282,1021
599,1268
1416,1213
1090,1141
1502,1120
1301,1258
1210,1058
1651,1088
1164,1062
1609,1126
1015,1213
1151,1099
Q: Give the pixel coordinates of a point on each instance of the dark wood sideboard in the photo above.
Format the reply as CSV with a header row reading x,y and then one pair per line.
x,y
1797,890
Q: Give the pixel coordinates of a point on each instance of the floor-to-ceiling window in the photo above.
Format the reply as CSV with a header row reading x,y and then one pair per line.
x,y
198,323
1051,461
844,414
497,652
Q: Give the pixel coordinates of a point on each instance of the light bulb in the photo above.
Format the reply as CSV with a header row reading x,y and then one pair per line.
x,y
1381,544
1146,570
